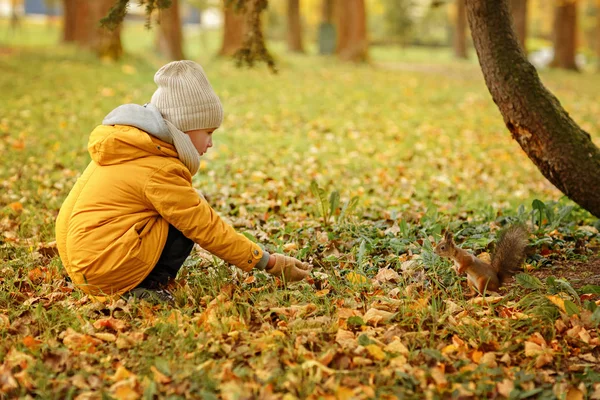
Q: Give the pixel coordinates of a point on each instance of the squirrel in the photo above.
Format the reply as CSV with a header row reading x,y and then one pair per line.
x,y
508,257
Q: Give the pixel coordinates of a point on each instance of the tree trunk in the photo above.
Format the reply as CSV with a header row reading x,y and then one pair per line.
x,y
598,33
563,152
327,11
170,37
106,43
233,31
294,27
518,10
352,44
460,30
69,20
565,35
82,27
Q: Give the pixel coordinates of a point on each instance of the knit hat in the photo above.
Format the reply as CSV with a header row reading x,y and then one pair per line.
x,y
185,97
187,102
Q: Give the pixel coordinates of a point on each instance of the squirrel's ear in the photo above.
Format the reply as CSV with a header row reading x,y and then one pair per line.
x,y
448,236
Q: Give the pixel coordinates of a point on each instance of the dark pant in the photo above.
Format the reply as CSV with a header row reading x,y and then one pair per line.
x,y
176,250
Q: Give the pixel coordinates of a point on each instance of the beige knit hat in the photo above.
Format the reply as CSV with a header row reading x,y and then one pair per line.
x,y
185,97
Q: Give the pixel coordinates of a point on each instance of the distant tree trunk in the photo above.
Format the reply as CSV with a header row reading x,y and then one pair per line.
x,y
565,35
460,30
105,42
294,27
598,33
170,37
562,151
352,44
327,11
82,27
518,10
233,31
69,20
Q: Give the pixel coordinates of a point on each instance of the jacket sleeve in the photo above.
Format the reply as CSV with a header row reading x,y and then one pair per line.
x,y
170,192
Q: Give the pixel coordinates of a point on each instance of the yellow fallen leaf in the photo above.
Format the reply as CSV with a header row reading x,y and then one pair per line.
x,y
121,373
396,346
375,352
125,391
439,376
290,247
557,301
574,394
159,376
449,349
356,278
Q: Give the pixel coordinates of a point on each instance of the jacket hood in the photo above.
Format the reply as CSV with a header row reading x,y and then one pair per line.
x,y
149,119
109,145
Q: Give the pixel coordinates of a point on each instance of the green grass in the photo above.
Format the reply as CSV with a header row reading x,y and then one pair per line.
x,y
415,136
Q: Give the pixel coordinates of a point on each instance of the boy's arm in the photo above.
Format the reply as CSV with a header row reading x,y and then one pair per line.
x,y
170,192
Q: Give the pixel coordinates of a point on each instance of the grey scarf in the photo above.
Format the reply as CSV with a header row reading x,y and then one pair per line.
x,y
150,120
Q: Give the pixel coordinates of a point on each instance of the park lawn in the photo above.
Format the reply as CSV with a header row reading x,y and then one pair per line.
x,y
419,146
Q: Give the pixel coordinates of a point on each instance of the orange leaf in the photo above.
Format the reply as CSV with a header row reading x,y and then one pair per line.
x,y
31,343
16,206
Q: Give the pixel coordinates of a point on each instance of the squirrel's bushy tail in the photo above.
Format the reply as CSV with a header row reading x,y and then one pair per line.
x,y
510,251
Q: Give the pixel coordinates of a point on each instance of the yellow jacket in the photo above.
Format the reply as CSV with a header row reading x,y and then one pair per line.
x,y
112,227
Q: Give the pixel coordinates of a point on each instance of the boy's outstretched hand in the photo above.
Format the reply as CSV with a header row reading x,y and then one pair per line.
x,y
288,268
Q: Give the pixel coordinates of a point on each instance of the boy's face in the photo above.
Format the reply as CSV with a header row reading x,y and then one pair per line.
x,y
201,139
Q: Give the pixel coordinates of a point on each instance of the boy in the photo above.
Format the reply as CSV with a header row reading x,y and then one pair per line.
x,y
133,216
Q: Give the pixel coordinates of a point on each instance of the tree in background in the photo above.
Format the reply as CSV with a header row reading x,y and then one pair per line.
x,y
294,36
598,34
518,9
565,34
352,43
398,20
460,30
81,26
234,29
562,151
170,37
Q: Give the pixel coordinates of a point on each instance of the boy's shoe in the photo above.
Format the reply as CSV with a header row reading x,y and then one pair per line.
x,y
151,295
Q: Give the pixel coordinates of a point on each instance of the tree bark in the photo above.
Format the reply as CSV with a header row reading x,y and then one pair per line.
x,y
563,152
460,30
518,10
233,31
598,33
565,35
327,8
294,27
170,37
106,43
69,20
82,27
352,44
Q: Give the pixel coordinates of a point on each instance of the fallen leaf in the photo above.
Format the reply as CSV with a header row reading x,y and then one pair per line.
x,y
159,376
374,316
356,278
387,275
375,352
505,387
